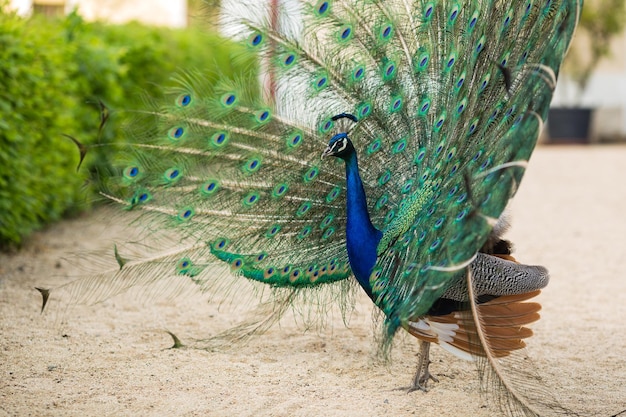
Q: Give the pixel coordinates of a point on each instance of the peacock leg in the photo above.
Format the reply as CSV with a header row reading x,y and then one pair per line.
x,y
422,375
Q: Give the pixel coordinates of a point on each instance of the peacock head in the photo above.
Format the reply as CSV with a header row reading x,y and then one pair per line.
x,y
340,144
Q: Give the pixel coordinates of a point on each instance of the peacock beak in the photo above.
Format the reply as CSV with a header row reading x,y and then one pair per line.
x,y
327,151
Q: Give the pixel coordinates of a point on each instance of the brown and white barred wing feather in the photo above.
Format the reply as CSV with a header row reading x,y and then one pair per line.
x,y
504,324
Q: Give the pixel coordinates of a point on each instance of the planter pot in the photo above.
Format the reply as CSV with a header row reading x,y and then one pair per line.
x,y
569,125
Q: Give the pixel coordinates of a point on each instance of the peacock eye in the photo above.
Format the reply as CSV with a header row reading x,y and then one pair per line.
x,y
340,145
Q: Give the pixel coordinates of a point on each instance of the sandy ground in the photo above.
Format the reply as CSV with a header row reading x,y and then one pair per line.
x,y
112,358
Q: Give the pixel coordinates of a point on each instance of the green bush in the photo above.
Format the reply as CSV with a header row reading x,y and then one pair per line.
x,y
53,74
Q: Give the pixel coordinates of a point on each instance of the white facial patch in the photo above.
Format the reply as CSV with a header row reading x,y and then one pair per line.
x,y
342,143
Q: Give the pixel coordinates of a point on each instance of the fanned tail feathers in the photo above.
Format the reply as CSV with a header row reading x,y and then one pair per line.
x,y
153,273
447,100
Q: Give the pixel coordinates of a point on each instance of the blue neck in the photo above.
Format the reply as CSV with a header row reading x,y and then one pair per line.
x,y
362,237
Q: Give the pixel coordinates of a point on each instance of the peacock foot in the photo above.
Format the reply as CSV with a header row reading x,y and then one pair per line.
x,y
420,382
422,375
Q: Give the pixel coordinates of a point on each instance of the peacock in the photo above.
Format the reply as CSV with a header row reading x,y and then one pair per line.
x,y
395,134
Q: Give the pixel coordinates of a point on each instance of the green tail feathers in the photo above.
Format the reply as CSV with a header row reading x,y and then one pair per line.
x,y
449,98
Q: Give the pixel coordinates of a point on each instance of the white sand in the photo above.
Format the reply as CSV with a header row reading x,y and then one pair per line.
x,y
111,358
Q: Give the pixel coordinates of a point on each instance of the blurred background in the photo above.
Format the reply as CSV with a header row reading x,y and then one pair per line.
x,y
62,60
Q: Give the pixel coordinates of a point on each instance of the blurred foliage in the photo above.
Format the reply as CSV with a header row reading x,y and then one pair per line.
x,y
203,13
601,21
53,75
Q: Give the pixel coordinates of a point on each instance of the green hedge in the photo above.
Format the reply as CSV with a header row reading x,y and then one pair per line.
x,y
53,75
